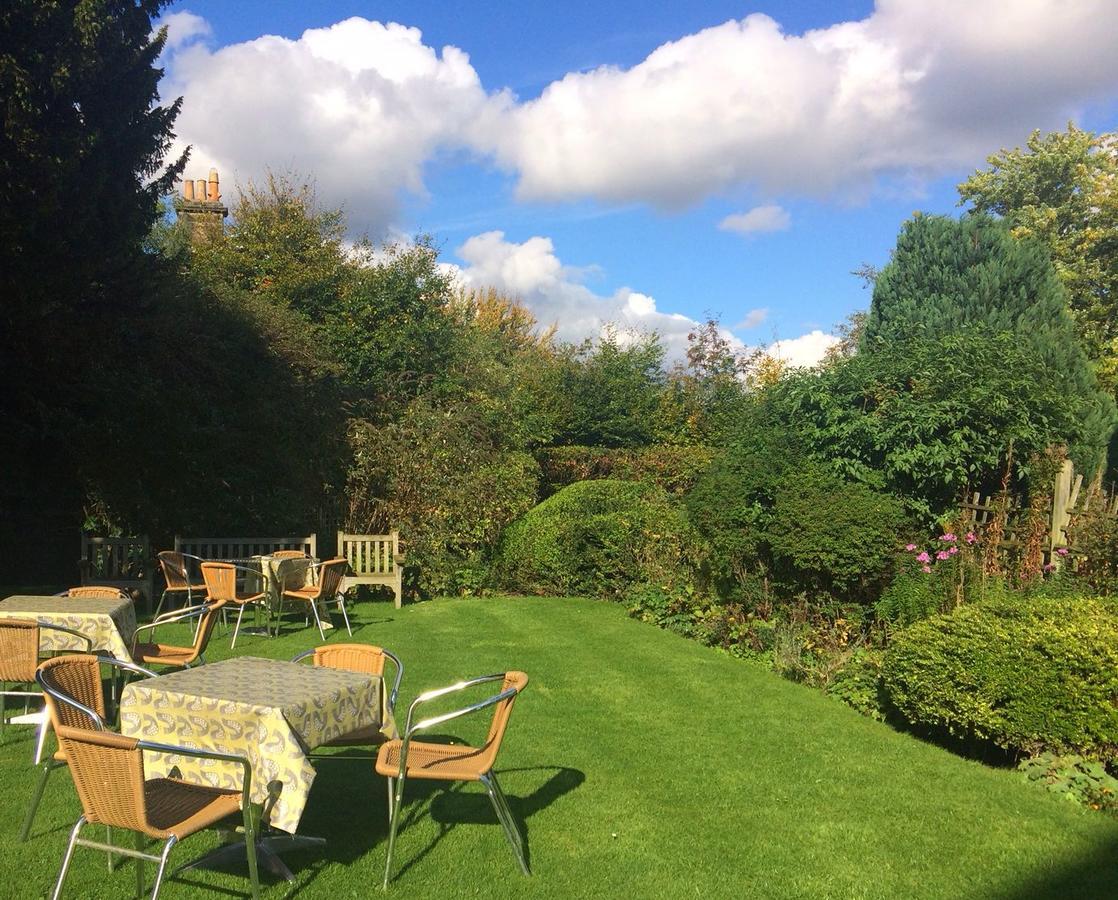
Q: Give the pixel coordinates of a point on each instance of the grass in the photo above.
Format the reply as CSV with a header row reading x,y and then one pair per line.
x,y
642,765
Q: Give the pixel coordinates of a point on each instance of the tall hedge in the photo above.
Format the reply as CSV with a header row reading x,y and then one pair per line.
x,y
1025,675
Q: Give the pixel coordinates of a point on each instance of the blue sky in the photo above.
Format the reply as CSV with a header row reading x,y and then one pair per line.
x,y
640,163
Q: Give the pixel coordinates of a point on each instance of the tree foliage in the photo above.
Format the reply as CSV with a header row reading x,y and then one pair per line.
x,y
948,275
1062,190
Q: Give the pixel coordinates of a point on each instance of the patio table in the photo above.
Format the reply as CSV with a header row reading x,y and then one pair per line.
x,y
107,621
270,711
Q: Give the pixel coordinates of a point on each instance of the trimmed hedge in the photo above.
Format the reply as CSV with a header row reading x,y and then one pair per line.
x,y
675,468
1026,675
596,538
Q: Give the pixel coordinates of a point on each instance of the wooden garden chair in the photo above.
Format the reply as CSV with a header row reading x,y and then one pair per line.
x,y
408,758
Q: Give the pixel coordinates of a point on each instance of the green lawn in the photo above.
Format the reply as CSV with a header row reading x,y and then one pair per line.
x,y
642,765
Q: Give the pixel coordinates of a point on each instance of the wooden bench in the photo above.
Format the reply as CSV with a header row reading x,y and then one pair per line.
x,y
374,559
244,548
120,562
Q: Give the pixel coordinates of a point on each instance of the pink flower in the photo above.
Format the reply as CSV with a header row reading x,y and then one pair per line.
x,y
949,537
926,569
923,557
952,550
910,547
942,554
971,537
1063,551
1049,567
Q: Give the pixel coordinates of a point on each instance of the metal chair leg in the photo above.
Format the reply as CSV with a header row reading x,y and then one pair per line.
x,y
38,795
138,843
391,786
345,615
44,727
393,824
66,859
162,866
317,620
237,628
504,816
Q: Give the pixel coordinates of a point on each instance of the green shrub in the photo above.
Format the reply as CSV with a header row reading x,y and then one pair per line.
x,y
1025,675
675,468
858,684
910,598
597,538
1076,778
834,537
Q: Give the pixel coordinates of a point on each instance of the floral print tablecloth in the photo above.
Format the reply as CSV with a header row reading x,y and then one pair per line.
x,y
108,622
270,711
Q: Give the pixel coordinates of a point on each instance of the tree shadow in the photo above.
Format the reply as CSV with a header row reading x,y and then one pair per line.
x,y
1091,877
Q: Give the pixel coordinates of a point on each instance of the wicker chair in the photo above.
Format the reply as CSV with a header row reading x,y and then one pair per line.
x,y
19,657
76,679
330,575
175,573
108,771
221,584
93,591
407,758
368,660
155,654
289,554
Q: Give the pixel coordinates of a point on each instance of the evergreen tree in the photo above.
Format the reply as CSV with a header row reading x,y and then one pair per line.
x,y
949,275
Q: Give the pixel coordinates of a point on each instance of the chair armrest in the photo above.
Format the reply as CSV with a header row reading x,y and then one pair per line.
x,y
427,696
177,615
396,684
246,784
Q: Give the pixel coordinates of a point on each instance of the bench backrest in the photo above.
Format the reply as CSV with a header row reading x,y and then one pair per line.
x,y
122,562
370,554
243,548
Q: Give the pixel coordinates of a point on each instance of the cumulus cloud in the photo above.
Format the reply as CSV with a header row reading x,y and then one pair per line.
x,y
182,28
554,293
757,220
752,319
916,87
806,350
359,106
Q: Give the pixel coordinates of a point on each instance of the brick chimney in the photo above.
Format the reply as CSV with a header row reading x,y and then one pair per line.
x,y
201,207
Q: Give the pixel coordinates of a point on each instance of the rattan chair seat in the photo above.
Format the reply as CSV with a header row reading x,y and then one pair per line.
x,y
179,808
163,654
446,762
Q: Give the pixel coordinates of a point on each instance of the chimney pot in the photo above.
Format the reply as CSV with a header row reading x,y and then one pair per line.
x,y
213,194
188,190
200,189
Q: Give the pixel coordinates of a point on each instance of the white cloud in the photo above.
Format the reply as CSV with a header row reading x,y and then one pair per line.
x,y
358,106
806,350
752,319
917,87
554,293
757,220
182,28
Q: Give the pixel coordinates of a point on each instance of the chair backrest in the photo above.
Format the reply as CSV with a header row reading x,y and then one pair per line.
x,y
363,658
173,565
289,554
108,772
221,580
76,677
19,649
370,554
330,577
501,712
206,625
98,590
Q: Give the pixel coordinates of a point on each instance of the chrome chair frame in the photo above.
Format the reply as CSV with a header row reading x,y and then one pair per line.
x,y
98,723
40,718
186,577
488,780
176,615
263,601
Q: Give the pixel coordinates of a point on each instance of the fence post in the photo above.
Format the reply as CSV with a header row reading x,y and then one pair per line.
x,y
1063,499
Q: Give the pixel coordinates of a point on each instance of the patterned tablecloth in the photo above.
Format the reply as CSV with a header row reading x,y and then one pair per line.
x,y
270,711
109,623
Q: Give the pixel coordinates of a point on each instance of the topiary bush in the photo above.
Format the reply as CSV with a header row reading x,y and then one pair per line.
x,y
597,538
1025,675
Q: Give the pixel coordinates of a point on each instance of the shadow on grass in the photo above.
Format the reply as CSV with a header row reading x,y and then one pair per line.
x,y
1092,877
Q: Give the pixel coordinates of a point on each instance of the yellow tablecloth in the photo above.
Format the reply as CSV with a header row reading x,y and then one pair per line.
x,y
270,711
109,623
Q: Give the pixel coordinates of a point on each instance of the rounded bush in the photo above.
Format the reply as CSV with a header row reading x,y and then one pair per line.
x,y
596,538
1026,675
